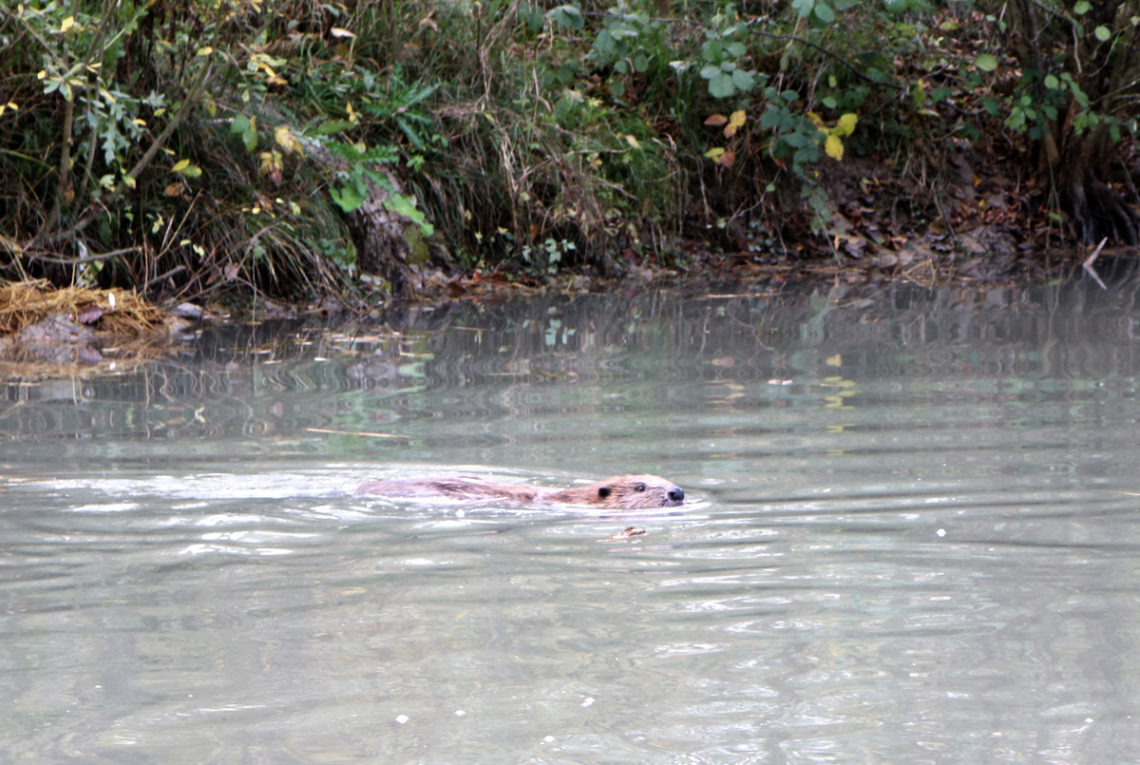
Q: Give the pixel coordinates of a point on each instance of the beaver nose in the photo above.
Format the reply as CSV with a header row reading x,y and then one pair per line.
x,y
676,494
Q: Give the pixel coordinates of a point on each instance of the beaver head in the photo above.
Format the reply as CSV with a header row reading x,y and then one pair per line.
x,y
626,492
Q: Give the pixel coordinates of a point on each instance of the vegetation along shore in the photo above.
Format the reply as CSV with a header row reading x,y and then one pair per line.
x,y
356,152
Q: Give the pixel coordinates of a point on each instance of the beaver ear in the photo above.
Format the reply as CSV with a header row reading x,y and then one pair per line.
x,y
604,491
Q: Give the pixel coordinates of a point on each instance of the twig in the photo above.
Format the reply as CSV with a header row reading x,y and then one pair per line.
x,y
84,259
160,277
1088,264
854,69
366,433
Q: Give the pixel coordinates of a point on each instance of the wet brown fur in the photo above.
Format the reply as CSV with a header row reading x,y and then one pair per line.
x,y
621,492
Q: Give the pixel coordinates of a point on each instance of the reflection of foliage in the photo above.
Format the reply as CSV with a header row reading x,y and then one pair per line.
x,y
468,365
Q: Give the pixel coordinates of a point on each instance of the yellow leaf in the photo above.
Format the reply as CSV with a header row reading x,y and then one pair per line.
x,y
834,147
67,24
815,119
205,50
270,160
180,165
632,141
715,152
735,122
846,125
285,140
129,180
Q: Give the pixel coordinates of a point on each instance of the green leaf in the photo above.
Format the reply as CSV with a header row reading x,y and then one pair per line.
x,y
987,62
328,127
1051,82
1082,7
824,13
567,16
403,205
770,119
743,80
721,86
604,44
1102,33
712,51
347,197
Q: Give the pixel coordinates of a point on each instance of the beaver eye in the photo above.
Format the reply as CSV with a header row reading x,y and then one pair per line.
x,y
639,487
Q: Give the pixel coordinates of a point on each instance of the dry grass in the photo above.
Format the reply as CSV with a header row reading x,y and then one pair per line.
x,y
118,312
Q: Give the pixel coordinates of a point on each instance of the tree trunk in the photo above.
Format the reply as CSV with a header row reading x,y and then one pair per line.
x,y
1054,40
1094,209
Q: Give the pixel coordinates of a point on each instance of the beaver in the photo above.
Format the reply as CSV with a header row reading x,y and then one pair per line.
x,y
621,492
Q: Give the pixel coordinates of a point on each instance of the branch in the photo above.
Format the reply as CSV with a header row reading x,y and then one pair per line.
x,y
854,69
85,258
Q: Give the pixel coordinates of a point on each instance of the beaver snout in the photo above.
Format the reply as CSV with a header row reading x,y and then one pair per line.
x,y
676,495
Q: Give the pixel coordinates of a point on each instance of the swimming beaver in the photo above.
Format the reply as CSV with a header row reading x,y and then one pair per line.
x,y
621,492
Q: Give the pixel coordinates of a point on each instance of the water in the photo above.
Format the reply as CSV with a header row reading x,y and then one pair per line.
x,y
911,535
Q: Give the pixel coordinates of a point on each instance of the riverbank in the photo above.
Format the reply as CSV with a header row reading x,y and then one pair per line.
x,y
355,157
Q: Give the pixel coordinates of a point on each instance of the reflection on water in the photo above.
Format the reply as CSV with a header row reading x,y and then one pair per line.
x,y
910,536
